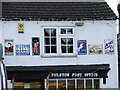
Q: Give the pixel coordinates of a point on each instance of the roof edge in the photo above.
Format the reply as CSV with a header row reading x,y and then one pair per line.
x,y
52,0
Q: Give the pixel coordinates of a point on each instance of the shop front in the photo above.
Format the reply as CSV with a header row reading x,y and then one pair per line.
x,y
72,84
58,77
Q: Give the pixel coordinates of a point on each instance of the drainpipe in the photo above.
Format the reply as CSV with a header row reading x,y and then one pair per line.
x,y
119,15
3,72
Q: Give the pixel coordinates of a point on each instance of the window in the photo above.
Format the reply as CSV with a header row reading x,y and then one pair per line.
x,y
18,85
27,85
50,40
80,84
96,84
72,84
61,84
52,85
66,45
88,84
58,41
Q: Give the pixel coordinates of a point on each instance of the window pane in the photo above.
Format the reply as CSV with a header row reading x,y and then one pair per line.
x,y
53,41
18,85
47,49
47,41
63,31
70,49
71,84
69,31
53,49
96,84
35,85
88,84
52,85
61,85
80,85
53,32
70,40
46,32
63,41
63,49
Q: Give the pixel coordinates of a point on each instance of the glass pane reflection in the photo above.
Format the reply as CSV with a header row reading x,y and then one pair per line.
x,y
61,85
80,84
69,31
88,84
96,84
52,85
46,32
63,31
71,84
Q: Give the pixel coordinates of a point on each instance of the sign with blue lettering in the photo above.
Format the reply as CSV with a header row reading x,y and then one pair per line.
x,y
109,46
22,49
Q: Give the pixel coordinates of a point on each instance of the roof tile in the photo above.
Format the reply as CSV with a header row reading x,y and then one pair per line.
x,y
57,10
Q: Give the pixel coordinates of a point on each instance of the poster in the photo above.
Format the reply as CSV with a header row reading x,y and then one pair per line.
x,y
20,27
109,46
22,49
96,49
9,47
35,46
82,47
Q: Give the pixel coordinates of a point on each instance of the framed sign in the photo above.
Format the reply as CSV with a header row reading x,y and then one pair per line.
x,y
35,46
20,27
96,49
9,47
82,47
22,49
109,46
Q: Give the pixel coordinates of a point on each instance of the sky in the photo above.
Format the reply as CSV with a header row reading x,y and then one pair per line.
x,y
113,4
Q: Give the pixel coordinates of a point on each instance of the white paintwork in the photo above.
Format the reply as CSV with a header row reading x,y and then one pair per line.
x,y
9,83
95,32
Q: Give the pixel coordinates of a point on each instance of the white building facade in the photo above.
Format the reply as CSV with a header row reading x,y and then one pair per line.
x,y
60,54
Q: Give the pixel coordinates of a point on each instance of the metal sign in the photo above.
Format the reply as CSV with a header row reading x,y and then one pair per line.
x,y
109,46
22,49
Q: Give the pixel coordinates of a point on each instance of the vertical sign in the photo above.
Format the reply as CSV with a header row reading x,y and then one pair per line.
x,y
82,47
96,49
109,46
22,49
20,27
35,46
8,47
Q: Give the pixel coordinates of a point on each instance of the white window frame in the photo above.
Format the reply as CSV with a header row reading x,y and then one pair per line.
x,y
67,36
58,38
50,54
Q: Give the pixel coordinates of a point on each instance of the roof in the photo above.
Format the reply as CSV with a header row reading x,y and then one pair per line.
x,y
57,11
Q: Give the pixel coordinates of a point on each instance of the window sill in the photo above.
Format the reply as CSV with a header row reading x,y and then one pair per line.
x,y
58,56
